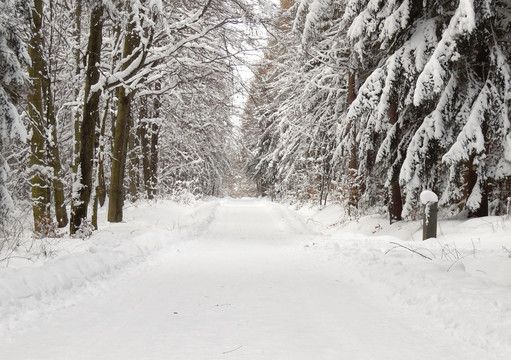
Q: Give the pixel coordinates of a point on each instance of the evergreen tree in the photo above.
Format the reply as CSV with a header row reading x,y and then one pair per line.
x,y
469,73
420,93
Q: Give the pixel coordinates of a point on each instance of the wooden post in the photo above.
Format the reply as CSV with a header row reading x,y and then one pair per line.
x,y
429,201
430,220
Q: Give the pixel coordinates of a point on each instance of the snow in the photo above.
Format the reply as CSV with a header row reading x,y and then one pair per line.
x,y
431,80
428,196
313,20
396,21
464,288
251,279
18,130
31,283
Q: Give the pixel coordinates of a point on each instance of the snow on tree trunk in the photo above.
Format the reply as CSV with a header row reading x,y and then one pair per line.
x,y
40,172
82,188
125,96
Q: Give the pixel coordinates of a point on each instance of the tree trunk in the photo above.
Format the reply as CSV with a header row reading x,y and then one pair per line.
x,y
122,128
78,65
52,141
39,181
395,198
352,95
82,192
471,179
153,164
100,193
101,190
116,198
482,64
54,155
352,128
134,163
353,191
155,133
145,135
148,136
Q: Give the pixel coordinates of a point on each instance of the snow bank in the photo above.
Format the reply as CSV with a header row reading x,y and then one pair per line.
x,y
78,267
462,279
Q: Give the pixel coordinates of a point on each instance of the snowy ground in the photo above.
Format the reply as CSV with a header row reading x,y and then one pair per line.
x,y
249,279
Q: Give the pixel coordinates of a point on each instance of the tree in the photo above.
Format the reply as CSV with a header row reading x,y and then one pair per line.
x,y
82,188
140,26
390,42
47,175
149,139
176,61
52,139
12,58
260,121
473,84
421,91
172,44
40,179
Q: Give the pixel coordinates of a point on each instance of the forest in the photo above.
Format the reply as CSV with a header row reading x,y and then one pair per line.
x,y
255,179
364,103
368,103
117,100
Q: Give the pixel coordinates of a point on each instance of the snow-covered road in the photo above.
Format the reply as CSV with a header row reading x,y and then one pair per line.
x,y
246,289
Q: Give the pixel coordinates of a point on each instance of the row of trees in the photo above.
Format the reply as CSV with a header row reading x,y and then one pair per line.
x,y
370,102
121,99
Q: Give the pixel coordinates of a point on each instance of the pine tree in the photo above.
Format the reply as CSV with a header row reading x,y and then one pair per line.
x,y
420,92
266,95
471,82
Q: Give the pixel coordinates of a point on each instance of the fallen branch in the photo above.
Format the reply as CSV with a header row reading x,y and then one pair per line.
x,y
230,351
407,248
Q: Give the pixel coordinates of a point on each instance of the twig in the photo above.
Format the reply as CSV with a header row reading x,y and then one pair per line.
x,y
230,351
312,220
407,248
450,267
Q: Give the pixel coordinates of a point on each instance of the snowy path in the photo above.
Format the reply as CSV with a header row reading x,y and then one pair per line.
x,y
245,290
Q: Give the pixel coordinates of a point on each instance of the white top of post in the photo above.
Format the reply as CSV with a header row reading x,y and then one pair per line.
x,y
428,196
